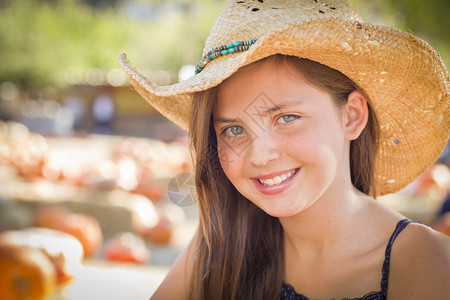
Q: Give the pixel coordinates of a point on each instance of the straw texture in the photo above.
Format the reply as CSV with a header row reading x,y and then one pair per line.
x,y
404,77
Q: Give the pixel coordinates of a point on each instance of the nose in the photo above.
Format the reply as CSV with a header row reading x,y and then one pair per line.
x,y
264,149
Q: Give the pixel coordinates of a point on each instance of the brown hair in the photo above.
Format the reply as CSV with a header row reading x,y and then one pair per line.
x,y
239,250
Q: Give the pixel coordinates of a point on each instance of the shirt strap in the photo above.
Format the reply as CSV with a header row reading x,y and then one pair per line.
x,y
387,255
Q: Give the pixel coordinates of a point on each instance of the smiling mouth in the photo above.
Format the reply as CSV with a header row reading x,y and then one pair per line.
x,y
277,179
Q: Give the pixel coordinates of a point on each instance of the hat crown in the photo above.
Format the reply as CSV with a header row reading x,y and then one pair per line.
x,y
250,19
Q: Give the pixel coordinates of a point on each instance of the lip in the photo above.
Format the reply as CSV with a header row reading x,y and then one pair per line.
x,y
277,188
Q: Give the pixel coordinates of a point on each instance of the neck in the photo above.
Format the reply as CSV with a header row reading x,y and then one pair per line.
x,y
325,226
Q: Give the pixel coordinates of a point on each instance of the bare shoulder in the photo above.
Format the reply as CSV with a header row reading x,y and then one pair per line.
x,y
420,264
176,284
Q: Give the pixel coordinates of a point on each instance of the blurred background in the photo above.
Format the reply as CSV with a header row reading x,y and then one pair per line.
x,y
96,192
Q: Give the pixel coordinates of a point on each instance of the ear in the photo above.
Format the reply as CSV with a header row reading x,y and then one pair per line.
x,y
356,115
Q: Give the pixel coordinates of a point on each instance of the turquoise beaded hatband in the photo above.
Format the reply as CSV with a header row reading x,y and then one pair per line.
x,y
221,51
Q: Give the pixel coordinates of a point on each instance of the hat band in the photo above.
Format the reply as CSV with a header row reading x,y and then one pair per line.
x,y
221,51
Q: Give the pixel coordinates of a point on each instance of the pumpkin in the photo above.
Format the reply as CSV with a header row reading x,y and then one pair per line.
x,y
170,216
50,216
63,250
144,214
149,186
160,234
51,169
151,189
27,163
86,229
26,273
127,247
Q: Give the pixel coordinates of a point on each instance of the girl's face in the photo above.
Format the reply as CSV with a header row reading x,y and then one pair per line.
x,y
281,141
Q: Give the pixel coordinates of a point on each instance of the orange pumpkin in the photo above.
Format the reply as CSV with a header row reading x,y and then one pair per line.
x,y
50,216
160,234
153,190
86,229
127,247
26,273
64,251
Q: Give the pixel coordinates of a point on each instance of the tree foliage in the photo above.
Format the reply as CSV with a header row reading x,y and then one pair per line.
x,y
41,39
428,20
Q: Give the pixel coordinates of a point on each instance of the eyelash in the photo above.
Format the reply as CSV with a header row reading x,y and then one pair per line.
x,y
225,130
288,115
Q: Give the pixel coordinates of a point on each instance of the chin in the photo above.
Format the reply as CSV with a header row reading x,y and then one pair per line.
x,y
282,214
281,210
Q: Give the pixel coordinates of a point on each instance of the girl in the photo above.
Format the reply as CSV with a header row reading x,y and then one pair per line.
x,y
299,115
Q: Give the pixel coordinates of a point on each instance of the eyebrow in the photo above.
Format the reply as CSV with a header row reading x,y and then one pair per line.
x,y
277,107
225,120
274,108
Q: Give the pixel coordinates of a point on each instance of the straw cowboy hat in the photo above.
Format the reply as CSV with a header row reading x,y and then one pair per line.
x,y
404,77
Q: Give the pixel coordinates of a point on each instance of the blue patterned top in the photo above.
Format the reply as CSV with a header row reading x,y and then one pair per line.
x,y
288,292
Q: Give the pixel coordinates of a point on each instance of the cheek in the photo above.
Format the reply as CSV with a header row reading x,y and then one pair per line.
x,y
229,160
313,148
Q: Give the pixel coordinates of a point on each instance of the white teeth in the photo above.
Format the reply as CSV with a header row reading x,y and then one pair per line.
x,y
277,179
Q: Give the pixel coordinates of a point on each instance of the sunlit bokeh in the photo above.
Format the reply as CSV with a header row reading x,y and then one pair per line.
x,y
86,164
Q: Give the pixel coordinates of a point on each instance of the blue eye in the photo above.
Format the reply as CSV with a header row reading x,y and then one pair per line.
x,y
233,131
287,118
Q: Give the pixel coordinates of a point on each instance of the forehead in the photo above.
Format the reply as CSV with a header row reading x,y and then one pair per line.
x,y
266,83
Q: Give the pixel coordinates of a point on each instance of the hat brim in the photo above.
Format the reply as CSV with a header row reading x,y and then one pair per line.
x,y
403,76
